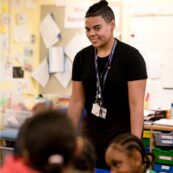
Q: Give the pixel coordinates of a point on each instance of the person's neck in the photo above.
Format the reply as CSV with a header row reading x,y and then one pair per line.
x,y
105,50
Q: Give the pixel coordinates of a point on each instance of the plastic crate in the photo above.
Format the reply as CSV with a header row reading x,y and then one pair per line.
x,y
163,139
147,149
146,134
163,156
15,118
163,168
98,170
146,142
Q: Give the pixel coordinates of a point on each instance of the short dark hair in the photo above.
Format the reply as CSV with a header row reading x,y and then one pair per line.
x,y
102,9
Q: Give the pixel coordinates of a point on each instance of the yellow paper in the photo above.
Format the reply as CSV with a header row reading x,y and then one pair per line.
x,y
5,8
3,29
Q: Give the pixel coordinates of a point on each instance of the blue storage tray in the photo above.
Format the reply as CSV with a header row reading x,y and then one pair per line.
x,y
163,168
98,170
147,149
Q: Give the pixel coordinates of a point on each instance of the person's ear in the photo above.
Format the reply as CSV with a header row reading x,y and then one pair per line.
x,y
113,24
137,158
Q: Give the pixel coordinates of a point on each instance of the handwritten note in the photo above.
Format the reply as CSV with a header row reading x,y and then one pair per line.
x,y
74,16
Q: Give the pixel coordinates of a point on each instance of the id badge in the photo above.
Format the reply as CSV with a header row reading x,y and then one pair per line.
x,y
95,109
99,111
102,113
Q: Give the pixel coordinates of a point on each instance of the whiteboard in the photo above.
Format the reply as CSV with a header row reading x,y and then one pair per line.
x,y
153,37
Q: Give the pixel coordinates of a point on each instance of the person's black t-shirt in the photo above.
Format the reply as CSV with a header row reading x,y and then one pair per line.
x,y
127,65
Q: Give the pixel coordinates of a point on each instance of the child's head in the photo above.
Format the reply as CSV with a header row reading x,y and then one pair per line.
x,y
126,154
48,141
85,160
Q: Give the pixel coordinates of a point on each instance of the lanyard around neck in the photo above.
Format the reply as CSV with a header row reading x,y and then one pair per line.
x,y
100,89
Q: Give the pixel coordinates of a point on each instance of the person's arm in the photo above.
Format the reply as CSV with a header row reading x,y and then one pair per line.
x,y
136,91
77,101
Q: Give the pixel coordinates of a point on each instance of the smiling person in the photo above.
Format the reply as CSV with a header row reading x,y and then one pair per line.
x,y
108,81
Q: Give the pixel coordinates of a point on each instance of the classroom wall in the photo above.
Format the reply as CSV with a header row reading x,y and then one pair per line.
x,y
159,97
160,86
58,12
22,51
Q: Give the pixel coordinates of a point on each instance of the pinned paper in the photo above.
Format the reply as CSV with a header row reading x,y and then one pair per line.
x,y
21,18
5,8
65,77
41,74
5,19
74,16
5,71
78,42
4,41
22,86
30,3
22,34
4,29
50,31
17,3
56,59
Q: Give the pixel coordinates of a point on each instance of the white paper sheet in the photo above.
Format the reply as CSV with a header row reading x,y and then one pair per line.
x,y
50,31
22,34
30,3
65,77
4,41
58,3
56,59
5,71
165,122
17,3
74,16
78,42
41,74
21,18
148,112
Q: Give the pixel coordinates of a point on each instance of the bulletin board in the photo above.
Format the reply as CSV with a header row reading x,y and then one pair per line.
x,y
18,46
54,86
4,31
58,13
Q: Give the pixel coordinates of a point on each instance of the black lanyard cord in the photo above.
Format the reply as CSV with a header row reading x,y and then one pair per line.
x,y
99,89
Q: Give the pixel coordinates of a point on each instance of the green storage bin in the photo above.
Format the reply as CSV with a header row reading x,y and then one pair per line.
x,y
146,142
163,156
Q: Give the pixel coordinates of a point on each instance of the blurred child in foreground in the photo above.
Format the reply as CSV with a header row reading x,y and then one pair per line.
x,y
48,145
85,161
